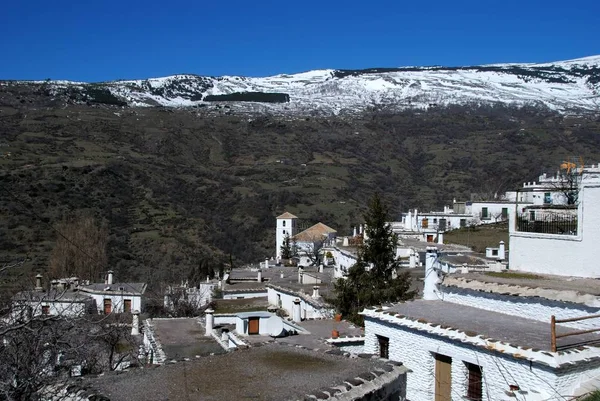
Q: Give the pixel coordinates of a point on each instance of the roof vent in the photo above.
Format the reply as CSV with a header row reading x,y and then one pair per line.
x,y
121,288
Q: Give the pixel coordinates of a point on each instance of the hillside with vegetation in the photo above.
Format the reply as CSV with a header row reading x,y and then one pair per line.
x,y
182,191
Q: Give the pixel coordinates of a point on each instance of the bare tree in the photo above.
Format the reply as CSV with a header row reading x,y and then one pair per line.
x,y
80,249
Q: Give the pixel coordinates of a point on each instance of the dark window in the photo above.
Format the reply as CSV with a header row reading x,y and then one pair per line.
x,y
384,347
463,222
494,252
474,387
127,306
284,223
434,221
45,310
504,213
484,213
547,197
532,215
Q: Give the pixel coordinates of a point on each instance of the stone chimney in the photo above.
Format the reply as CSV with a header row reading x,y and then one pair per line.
x,y
315,293
135,323
296,313
259,276
38,283
109,279
430,290
501,251
210,320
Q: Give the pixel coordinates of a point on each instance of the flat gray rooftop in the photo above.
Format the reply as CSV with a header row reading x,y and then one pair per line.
x,y
506,328
535,280
268,373
184,338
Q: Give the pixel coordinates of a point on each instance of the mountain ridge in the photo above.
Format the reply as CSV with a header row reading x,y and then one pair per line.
x,y
568,86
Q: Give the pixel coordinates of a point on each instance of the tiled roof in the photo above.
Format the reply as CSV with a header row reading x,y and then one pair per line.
x,y
287,215
315,232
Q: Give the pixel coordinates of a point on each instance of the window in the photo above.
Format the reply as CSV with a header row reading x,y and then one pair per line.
x,y
463,222
494,252
424,223
474,387
384,346
127,306
484,213
532,215
504,213
547,197
284,223
434,221
45,310
284,232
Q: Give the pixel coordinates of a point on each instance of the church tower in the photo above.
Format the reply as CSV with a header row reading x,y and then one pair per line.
x,y
286,226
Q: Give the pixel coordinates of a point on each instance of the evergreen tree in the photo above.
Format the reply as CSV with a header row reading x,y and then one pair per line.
x,y
375,278
286,248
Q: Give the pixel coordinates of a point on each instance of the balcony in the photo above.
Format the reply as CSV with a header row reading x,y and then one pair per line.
x,y
547,223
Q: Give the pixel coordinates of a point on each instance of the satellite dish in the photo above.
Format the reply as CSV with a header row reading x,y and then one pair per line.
x,y
274,326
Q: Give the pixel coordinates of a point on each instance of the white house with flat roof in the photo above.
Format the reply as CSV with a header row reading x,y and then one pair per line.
x,y
475,340
559,239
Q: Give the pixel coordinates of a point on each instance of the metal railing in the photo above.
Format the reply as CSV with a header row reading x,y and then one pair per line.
x,y
554,336
562,224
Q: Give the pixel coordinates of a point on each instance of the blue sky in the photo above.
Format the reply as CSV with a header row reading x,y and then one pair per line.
x,y
106,39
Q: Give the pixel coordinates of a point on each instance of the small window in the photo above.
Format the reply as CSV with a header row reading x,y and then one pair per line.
x,y
494,252
284,232
424,223
45,310
127,306
384,346
463,222
504,213
434,221
484,213
474,386
532,215
284,223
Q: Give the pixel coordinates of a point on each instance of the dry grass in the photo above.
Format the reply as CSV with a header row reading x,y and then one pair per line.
x,y
480,237
515,275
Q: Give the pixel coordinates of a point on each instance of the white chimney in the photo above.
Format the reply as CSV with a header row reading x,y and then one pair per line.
x,y
360,229
501,251
412,259
259,278
296,314
109,280
38,283
321,268
315,293
135,323
354,232
210,319
281,274
300,274
440,238
266,263
430,290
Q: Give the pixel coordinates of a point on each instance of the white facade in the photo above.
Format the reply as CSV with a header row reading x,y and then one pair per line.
x,y
309,308
344,260
117,300
417,349
562,254
286,226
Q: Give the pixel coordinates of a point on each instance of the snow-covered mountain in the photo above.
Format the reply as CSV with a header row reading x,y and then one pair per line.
x,y
565,86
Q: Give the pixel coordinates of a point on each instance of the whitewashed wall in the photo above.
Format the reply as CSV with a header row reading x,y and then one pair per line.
x,y
68,309
307,311
343,262
117,301
244,295
564,255
535,308
415,350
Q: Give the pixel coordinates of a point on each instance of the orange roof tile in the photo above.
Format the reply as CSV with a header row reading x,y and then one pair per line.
x,y
287,215
315,232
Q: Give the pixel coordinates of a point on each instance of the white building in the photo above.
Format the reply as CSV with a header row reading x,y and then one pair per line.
x,y
478,342
115,297
559,240
286,227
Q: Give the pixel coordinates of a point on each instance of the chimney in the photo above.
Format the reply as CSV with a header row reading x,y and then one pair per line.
x,y
412,259
501,251
300,274
431,274
210,320
321,268
296,314
109,279
315,293
38,283
281,274
360,229
266,263
354,232
259,277
135,323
